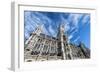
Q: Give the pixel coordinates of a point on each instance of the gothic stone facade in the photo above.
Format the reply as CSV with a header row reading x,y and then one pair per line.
x,y
41,47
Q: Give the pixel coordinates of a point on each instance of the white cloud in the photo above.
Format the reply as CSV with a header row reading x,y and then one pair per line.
x,y
72,28
74,31
46,21
38,18
85,19
74,18
43,18
67,27
35,19
70,37
45,31
51,30
27,14
76,39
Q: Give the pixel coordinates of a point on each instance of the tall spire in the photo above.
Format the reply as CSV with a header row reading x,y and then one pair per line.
x,y
61,40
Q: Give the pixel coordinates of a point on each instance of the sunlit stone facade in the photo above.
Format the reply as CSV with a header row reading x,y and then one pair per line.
x,y
41,47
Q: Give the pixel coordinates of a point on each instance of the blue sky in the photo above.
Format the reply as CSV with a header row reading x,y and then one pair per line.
x,y
77,25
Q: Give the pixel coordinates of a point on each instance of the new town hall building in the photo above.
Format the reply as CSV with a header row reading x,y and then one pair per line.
x,y
41,47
